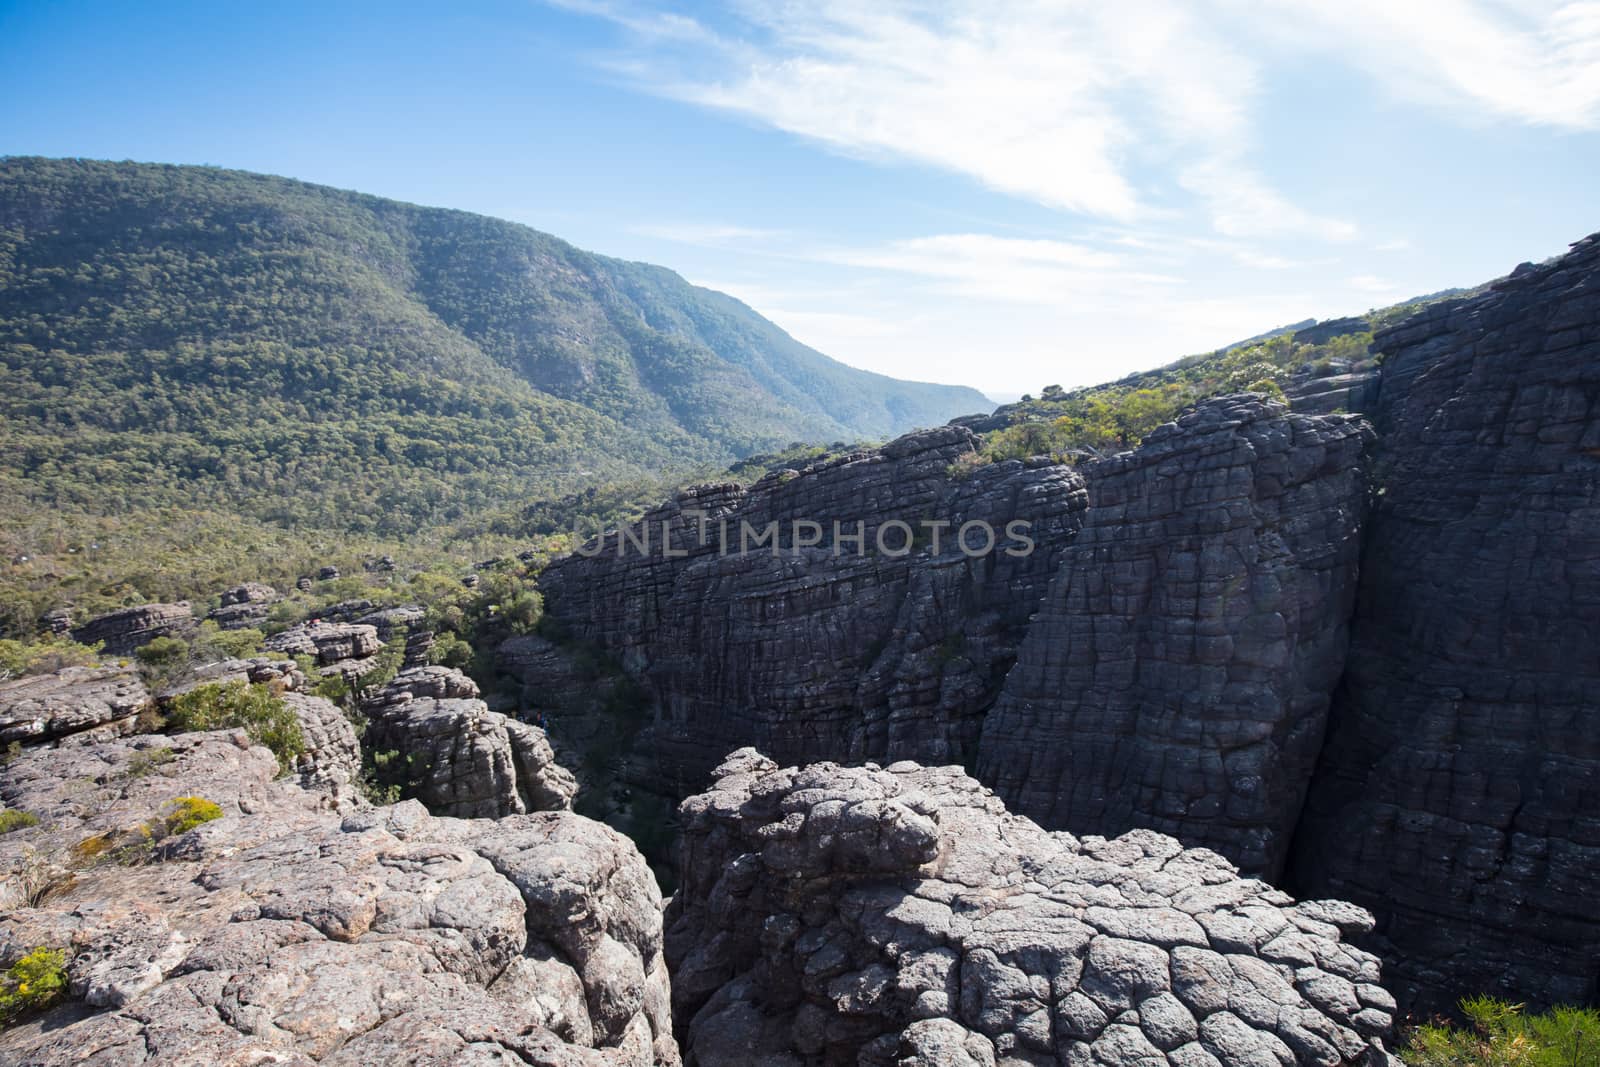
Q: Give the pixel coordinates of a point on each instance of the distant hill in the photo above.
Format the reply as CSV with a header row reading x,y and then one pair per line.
x,y
187,337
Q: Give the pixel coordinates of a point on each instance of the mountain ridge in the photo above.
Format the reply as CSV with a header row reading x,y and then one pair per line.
x,y
176,287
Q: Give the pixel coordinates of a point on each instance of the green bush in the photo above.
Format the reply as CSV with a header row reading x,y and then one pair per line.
x,y
1500,1034
213,642
450,651
163,661
238,704
14,819
185,813
18,658
32,984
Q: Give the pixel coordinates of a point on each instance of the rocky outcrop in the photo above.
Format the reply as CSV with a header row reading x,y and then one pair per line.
x,y
903,917
285,932
121,633
244,606
1179,673
459,758
344,649
75,705
282,674
891,646
1456,796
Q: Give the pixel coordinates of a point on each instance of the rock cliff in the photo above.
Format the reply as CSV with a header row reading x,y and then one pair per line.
x,y
843,648
71,706
1179,672
902,917
1457,791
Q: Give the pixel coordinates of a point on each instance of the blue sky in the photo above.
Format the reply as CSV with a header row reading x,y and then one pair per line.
x,y
1001,195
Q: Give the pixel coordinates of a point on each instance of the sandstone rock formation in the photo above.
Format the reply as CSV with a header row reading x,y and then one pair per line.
x,y
903,917
244,606
339,648
285,932
282,674
458,757
72,706
1456,796
1179,672
809,653
120,633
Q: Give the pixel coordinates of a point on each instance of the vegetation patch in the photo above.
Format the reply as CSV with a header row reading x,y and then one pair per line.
x,y
234,705
32,984
15,819
1500,1034
183,814
148,762
44,656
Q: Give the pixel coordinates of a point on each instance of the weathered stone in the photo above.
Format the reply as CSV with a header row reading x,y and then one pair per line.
x,y
458,757
1180,671
120,633
244,606
285,933
327,642
902,916
73,705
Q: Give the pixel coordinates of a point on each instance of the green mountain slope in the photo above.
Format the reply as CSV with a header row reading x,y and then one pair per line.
x,y
185,337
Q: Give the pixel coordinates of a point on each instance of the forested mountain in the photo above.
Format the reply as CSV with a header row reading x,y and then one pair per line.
x,y
303,356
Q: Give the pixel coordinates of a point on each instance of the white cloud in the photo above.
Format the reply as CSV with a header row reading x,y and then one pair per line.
x,y
1128,112
1533,61
1058,103
1243,205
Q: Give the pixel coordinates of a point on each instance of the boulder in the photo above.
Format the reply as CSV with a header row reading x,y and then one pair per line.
x,y
336,646
458,757
244,606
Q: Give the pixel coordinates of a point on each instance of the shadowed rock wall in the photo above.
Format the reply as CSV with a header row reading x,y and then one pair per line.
x,y
1179,674
1459,793
808,653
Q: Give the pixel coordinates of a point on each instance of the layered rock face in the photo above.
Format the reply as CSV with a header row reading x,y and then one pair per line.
x,y
813,652
1457,794
120,633
329,643
460,758
71,706
1179,673
903,917
298,929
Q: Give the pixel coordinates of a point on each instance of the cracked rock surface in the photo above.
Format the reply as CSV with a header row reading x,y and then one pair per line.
x,y
288,932
121,633
901,916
